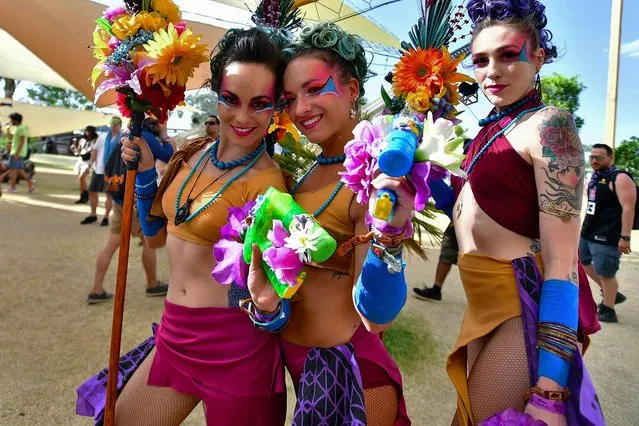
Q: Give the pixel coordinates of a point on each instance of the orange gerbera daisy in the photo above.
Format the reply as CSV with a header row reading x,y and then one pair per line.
x,y
417,67
450,76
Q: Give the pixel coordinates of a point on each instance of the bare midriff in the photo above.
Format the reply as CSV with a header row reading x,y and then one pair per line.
x,y
190,278
323,314
478,233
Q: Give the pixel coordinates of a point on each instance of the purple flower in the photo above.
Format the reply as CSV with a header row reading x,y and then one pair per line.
x,y
361,155
511,417
419,174
123,75
113,12
284,261
230,267
237,222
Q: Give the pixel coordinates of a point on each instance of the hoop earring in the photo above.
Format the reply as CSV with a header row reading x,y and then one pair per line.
x,y
538,93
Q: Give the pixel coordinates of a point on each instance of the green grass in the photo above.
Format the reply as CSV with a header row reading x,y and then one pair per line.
x,y
410,342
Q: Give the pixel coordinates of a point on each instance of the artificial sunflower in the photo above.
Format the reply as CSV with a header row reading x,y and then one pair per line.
x,y
417,67
101,51
125,26
176,56
451,78
150,21
167,9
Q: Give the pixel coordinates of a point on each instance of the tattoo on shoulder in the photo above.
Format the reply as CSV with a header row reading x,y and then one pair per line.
x,y
573,278
338,275
564,173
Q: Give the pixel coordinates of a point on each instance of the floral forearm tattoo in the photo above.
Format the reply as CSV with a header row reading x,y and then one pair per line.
x,y
564,174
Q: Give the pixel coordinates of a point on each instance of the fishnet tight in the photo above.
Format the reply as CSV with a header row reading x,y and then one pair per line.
x,y
142,405
381,405
498,366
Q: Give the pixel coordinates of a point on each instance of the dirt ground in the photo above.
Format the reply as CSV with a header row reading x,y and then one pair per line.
x,y
51,340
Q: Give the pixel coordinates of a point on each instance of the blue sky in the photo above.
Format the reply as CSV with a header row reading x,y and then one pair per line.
x,y
581,30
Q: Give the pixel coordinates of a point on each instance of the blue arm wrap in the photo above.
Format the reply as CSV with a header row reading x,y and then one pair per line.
x,y
379,294
146,184
161,151
443,195
558,304
276,322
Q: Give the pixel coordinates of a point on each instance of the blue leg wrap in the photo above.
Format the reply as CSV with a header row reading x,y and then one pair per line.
x,y
146,186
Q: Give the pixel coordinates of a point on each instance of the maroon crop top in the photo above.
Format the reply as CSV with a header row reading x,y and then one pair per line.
x,y
503,183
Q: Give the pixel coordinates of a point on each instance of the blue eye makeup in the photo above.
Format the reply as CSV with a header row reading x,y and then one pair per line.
x,y
523,54
267,106
329,88
221,99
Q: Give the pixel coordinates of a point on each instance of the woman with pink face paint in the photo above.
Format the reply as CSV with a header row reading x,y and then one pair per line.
x,y
517,223
332,350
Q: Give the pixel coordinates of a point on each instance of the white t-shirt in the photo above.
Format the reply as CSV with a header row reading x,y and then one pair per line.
x,y
99,149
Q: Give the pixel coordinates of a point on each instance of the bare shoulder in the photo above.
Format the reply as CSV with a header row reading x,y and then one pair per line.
x,y
624,179
558,137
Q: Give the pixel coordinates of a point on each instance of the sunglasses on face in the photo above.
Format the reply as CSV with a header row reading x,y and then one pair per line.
x,y
212,123
597,157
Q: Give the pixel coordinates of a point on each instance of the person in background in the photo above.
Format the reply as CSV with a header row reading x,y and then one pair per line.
x,y
82,149
448,255
100,153
18,153
605,234
212,126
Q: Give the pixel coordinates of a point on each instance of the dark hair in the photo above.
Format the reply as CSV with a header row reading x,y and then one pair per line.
x,y
527,16
334,46
151,125
15,117
603,146
253,46
91,130
216,118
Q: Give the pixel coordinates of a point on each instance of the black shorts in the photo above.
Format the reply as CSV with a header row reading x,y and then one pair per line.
x,y
97,183
450,250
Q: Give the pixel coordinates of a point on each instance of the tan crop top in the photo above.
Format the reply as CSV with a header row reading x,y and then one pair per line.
x,y
335,219
205,228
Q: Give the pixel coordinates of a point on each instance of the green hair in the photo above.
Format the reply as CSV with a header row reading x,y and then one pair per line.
x,y
336,47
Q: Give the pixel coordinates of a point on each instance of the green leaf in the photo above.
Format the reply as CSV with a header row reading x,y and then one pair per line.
x,y
104,24
141,105
548,152
387,99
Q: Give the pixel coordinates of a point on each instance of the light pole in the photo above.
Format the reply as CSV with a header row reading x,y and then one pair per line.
x,y
613,73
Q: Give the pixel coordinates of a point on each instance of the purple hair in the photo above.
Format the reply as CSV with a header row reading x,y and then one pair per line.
x,y
531,11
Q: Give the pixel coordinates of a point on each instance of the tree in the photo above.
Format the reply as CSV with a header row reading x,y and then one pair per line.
x,y
563,92
627,156
54,96
204,100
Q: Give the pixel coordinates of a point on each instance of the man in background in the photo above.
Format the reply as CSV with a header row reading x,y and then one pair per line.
x,y
18,153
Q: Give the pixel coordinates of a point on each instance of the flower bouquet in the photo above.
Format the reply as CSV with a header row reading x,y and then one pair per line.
x,y
288,237
146,53
415,137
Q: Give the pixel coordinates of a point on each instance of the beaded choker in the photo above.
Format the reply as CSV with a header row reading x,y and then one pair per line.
x,y
330,160
505,112
233,164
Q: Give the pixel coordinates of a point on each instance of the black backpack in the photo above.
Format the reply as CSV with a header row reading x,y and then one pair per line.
x,y
115,175
635,223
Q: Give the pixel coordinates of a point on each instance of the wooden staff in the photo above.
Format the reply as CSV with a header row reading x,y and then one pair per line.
x,y
120,286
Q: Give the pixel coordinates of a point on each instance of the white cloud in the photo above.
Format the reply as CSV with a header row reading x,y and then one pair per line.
x,y
630,49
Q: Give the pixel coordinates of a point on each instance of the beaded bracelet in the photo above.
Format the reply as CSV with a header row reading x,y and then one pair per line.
x,y
269,322
145,197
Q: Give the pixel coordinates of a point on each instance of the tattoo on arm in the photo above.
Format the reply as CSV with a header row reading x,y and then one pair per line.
x,y
573,278
564,173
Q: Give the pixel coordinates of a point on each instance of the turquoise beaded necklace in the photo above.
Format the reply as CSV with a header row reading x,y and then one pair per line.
x,y
330,199
499,133
182,213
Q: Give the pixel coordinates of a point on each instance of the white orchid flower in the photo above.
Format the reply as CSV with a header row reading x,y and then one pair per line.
x,y
440,146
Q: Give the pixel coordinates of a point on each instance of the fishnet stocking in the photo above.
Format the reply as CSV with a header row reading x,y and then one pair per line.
x,y
142,405
498,367
381,405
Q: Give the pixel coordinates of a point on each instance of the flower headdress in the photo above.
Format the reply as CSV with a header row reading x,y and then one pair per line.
x,y
146,53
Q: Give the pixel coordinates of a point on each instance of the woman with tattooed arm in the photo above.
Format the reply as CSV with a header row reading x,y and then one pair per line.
x,y
517,222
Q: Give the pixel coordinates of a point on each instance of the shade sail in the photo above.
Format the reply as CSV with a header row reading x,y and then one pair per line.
x,y
52,37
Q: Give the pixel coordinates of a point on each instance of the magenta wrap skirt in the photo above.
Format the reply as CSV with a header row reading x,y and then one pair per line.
x,y
218,356
376,366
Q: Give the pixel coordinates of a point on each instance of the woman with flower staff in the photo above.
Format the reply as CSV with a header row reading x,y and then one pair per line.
x,y
205,348
517,222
